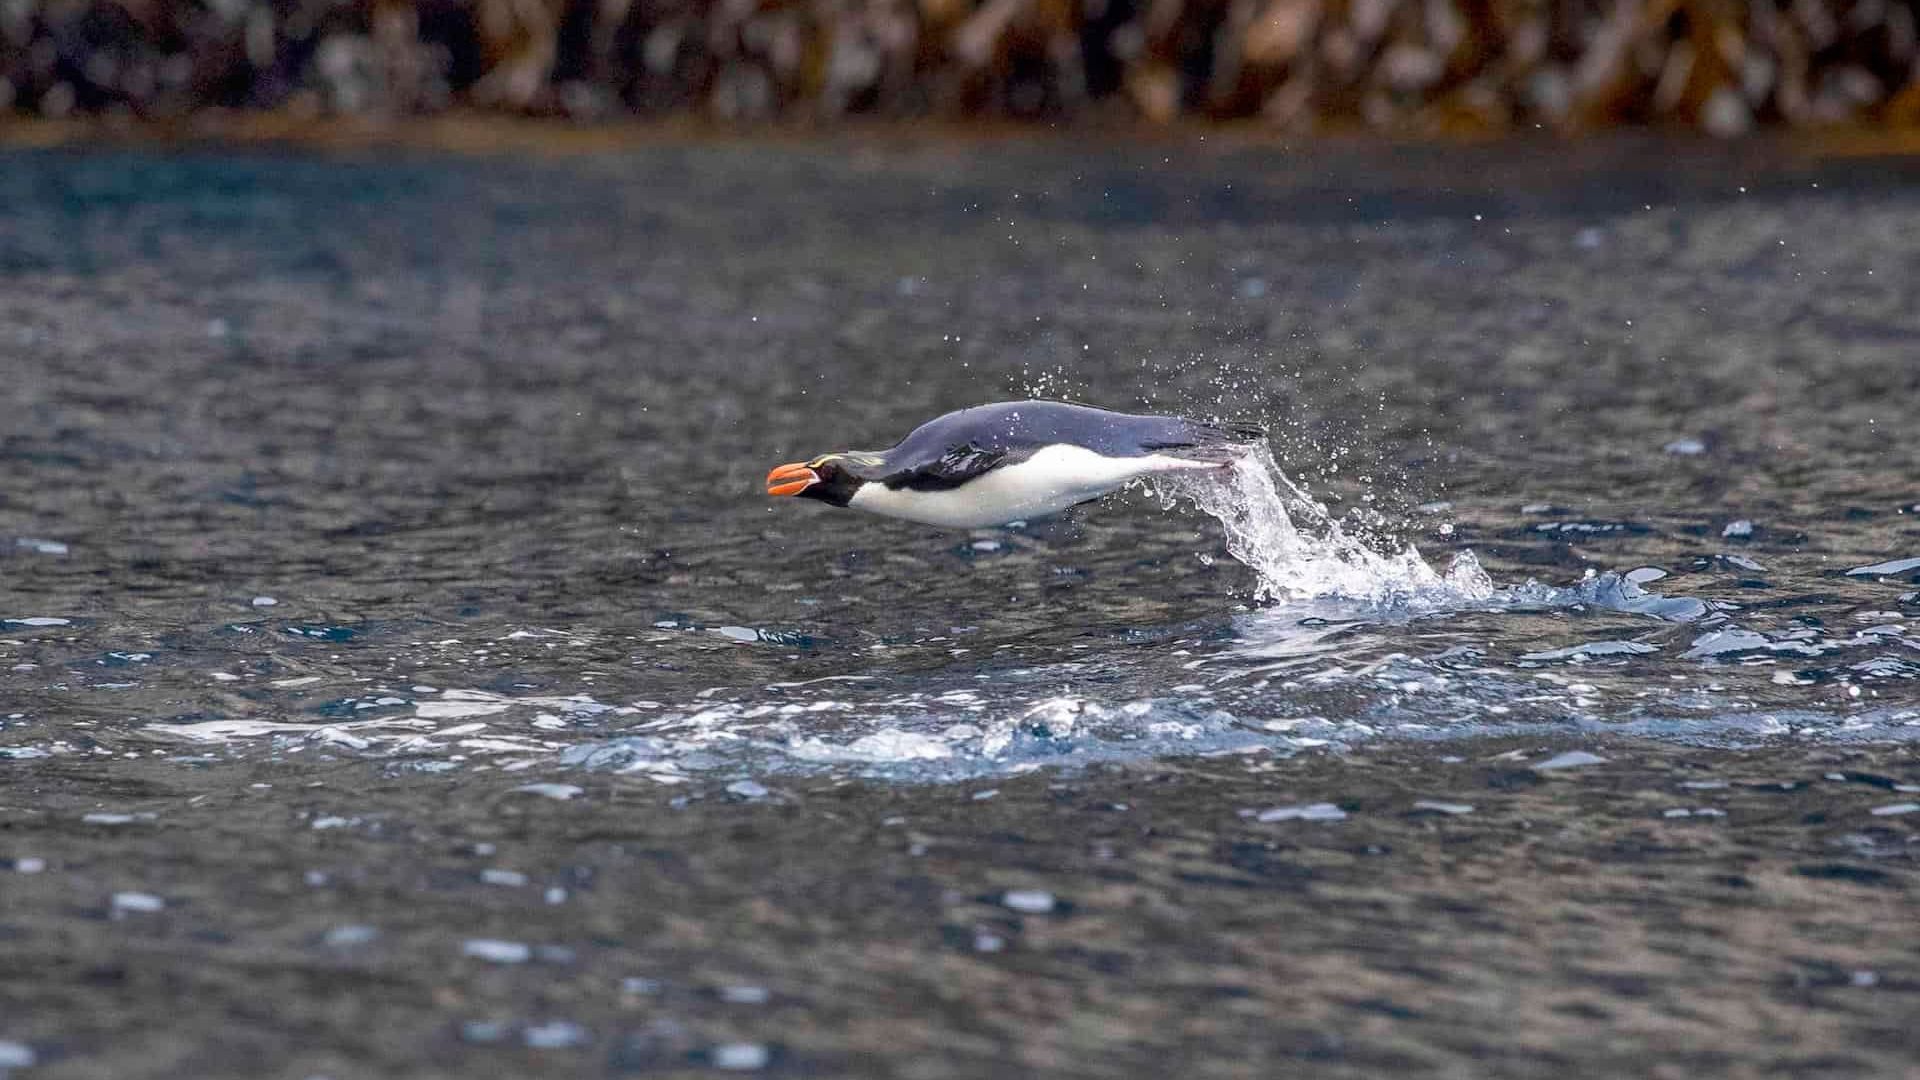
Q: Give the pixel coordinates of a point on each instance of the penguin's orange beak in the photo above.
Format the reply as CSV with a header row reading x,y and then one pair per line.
x,y
791,479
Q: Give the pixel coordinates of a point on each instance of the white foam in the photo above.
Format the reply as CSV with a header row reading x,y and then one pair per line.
x,y
214,731
1300,553
885,746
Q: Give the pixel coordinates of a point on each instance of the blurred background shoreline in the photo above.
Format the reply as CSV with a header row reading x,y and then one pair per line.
x,y
466,131
1419,68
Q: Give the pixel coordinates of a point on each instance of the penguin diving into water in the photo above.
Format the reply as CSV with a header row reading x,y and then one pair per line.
x,y
1012,461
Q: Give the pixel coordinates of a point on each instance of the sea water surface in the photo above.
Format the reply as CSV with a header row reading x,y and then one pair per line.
x,y
454,462
403,672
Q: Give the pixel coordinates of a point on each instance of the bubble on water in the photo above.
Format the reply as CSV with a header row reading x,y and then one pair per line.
x,y
1734,640
740,1056
629,753
39,620
1592,649
1320,811
1609,591
43,547
1029,901
1688,447
483,1031
136,902
1886,569
551,791
496,951
556,1035
348,935
1298,552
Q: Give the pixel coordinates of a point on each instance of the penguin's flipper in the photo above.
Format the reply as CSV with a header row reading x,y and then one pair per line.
x,y
951,469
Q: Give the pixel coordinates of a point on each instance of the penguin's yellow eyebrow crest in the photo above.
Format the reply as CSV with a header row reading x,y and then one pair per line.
x,y
858,459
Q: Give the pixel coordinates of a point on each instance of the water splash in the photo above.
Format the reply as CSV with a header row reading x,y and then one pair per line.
x,y
1299,552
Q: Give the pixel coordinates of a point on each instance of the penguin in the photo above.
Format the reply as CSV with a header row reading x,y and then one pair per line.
x,y
1012,461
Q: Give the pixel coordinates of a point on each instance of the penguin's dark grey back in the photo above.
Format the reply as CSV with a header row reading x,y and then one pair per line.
x,y
1016,429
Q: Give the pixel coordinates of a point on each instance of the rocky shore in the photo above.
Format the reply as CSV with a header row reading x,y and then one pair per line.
x,y
1406,66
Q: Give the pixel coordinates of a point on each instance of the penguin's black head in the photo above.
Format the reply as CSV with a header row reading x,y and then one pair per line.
x,y
823,478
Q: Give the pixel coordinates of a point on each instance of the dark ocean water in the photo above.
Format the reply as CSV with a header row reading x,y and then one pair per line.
x,y
376,497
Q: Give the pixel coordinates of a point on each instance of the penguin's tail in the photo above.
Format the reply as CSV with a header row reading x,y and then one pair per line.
x,y
1217,444
1235,433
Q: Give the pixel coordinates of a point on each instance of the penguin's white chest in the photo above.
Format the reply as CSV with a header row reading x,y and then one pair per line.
x,y
1051,480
